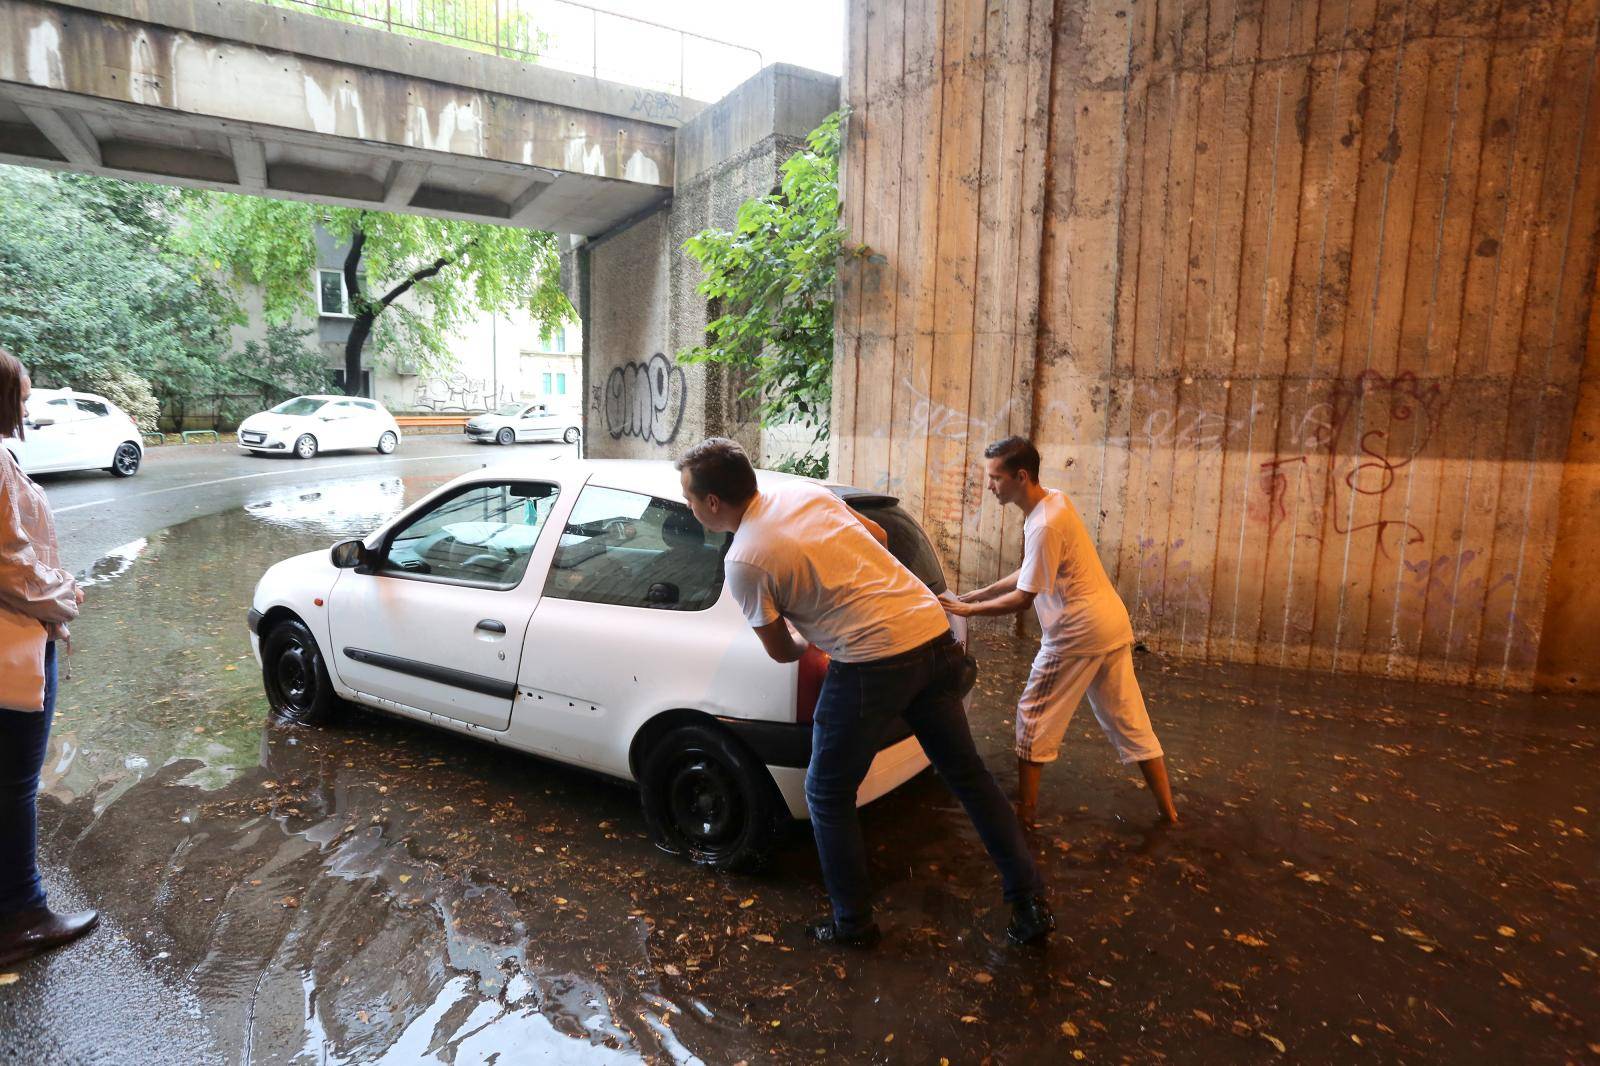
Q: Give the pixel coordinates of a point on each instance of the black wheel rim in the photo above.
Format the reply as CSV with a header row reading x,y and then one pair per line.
x,y
296,678
705,803
127,460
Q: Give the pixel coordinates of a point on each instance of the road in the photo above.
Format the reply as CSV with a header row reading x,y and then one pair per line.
x,y
96,513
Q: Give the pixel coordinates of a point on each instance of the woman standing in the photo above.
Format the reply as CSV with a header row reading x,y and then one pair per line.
x,y
35,595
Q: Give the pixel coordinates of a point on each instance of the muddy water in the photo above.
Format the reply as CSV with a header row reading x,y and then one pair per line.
x,y
1365,872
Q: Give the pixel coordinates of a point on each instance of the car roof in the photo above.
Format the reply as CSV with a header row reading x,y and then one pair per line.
x,y
655,477
59,394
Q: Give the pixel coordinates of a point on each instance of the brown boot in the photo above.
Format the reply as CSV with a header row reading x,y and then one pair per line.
x,y
38,929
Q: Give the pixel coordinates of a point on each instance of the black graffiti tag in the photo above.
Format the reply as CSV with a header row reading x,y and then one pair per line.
x,y
645,400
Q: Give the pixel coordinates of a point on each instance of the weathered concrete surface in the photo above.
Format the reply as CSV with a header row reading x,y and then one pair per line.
x,y
1360,877
641,402
240,96
1296,298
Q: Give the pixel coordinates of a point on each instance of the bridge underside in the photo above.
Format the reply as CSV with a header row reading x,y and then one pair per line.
x,y
91,92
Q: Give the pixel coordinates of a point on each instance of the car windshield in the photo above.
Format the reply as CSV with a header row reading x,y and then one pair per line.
x,y
300,405
509,410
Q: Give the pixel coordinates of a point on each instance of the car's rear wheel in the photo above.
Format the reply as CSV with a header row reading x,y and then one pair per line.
x,y
387,443
306,446
708,799
506,436
571,435
126,462
296,679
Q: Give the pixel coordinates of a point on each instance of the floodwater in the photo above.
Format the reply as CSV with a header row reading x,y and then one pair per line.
x,y
1365,871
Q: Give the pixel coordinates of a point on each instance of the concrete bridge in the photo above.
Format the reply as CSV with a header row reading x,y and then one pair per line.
x,y
243,97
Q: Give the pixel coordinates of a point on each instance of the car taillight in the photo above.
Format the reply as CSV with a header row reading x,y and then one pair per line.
x,y
813,668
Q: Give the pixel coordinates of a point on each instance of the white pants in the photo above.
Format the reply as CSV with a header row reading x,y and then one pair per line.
x,y
1058,684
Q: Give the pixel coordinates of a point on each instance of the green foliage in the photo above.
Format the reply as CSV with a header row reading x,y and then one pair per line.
x,y
771,279
481,25
418,280
94,296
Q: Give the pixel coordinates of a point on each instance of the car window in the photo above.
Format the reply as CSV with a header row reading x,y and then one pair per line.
x,y
907,542
635,550
482,535
509,410
93,408
61,410
300,406
365,405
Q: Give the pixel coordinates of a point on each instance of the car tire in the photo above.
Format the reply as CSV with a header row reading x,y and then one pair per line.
x,y
388,443
299,689
126,462
570,436
305,446
506,436
709,800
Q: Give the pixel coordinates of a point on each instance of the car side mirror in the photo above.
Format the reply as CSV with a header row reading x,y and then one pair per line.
x,y
349,554
40,423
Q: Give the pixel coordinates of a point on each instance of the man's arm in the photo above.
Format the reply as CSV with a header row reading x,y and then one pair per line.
x,y
989,592
780,642
1013,602
879,534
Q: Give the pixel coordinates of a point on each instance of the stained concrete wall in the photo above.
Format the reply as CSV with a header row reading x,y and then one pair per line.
x,y
1295,297
643,307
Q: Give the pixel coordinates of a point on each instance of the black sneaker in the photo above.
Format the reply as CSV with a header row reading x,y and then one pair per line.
x,y
1031,921
824,932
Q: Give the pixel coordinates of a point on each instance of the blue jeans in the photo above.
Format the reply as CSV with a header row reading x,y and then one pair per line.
x,y
24,736
855,707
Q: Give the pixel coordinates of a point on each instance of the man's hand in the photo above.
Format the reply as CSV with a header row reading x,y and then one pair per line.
x,y
78,594
778,640
959,606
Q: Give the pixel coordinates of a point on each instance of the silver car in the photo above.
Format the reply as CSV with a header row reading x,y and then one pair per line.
x,y
516,422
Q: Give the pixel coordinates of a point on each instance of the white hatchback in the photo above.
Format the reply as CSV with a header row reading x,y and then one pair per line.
x,y
575,610
307,425
69,430
515,422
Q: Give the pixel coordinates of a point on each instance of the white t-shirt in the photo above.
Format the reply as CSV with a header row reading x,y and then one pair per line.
x,y
1080,612
801,553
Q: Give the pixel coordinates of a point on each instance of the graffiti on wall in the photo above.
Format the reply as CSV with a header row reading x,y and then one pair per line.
x,y
457,392
645,400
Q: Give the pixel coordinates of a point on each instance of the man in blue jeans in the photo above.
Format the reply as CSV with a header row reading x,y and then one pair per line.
x,y
801,556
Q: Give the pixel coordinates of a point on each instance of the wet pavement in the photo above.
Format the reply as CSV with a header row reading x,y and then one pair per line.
x,y
1366,872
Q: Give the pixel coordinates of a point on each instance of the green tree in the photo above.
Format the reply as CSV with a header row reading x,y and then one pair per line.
x,y
92,294
771,281
491,26
448,271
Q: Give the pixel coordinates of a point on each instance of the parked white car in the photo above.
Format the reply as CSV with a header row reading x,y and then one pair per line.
x,y
69,430
575,610
517,422
307,425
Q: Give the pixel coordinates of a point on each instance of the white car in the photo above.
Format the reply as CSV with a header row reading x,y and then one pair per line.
x,y
307,425
575,610
69,430
515,422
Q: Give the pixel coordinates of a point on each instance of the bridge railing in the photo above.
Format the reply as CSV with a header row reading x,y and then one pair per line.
x,y
561,35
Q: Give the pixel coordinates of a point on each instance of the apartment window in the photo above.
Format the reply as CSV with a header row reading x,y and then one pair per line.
x,y
332,299
546,379
561,384
554,340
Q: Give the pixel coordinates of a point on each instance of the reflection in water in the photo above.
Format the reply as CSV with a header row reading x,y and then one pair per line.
x,y
382,892
115,563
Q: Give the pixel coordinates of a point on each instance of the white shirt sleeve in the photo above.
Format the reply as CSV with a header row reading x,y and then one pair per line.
x,y
752,591
1041,560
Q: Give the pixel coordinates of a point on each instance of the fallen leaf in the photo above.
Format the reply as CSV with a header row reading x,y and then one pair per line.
x,y
1540,1006
1275,1042
672,971
889,1039
1250,941
404,878
1202,1015
9,978
763,938
745,904
969,1019
230,666
1068,1029
1512,981
362,1015
560,902
1356,1040
1506,930
982,978
1078,1054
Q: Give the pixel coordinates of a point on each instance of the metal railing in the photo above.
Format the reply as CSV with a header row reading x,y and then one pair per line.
x,y
561,35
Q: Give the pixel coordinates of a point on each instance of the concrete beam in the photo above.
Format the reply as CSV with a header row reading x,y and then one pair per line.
x,y
522,207
67,132
249,163
401,186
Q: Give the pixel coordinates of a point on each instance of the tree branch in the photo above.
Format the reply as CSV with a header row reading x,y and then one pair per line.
x,y
352,272
425,272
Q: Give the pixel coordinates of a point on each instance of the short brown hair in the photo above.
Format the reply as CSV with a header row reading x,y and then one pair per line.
x,y
719,466
1015,453
12,415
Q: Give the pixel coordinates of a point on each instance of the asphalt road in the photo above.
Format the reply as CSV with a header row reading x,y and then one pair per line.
x,y
96,513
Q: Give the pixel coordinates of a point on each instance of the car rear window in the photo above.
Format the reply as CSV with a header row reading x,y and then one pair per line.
x,y
907,542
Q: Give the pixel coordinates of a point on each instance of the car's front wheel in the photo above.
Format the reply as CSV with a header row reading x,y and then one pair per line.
x,y
126,462
571,435
296,679
708,799
387,443
306,446
506,436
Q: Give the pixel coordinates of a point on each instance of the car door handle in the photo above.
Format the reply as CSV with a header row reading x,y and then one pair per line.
x,y
489,625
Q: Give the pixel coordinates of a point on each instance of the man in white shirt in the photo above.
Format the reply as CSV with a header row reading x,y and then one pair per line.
x,y
1087,642
800,555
